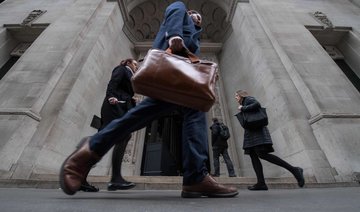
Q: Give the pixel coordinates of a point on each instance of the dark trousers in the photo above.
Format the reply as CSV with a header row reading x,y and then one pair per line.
x,y
116,159
194,134
110,112
217,151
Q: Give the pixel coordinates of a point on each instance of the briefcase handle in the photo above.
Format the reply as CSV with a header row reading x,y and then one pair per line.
x,y
193,58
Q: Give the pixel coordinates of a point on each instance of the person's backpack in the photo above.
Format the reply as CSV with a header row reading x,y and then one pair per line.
x,y
224,132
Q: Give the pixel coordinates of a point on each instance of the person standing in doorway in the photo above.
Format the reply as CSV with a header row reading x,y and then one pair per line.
x,y
219,136
179,31
258,144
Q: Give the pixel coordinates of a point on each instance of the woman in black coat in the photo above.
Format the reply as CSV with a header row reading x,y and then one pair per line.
x,y
118,100
258,144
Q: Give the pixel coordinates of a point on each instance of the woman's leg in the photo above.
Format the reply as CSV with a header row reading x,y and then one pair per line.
x,y
116,159
276,160
117,181
257,167
296,171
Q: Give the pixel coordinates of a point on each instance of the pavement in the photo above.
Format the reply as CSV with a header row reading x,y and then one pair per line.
x,y
337,199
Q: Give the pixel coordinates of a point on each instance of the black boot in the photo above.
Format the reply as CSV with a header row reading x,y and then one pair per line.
x,y
258,187
299,175
86,187
125,185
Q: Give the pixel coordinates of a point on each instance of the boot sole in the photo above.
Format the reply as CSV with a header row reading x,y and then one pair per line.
x,y
185,194
61,178
115,188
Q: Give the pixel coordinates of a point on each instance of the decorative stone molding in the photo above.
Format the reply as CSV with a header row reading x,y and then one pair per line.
x,y
20,111
323,19
142,18
320,116
35,14
128,152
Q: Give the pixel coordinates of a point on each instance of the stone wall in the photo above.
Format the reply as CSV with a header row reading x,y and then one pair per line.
x,y
64,89
271,54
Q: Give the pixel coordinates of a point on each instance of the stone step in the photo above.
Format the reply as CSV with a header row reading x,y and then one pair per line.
x,y
170,182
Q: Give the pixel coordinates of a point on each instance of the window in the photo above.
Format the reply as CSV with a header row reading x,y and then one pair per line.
x,y
343,47
15,40
6,67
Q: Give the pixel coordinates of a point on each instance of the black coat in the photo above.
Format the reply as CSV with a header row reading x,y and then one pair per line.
x,y
216,140
254,137
119,87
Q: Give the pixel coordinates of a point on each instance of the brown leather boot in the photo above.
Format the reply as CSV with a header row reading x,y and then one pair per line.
x,y
76,167
208,187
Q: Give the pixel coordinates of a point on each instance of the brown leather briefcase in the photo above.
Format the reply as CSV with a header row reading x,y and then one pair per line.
x,y
184,81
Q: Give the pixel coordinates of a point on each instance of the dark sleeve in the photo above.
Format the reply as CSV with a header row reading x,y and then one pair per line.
x,y
174,19
251,104
116,77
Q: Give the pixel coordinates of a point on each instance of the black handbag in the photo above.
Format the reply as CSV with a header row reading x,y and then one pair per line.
x,y
253,119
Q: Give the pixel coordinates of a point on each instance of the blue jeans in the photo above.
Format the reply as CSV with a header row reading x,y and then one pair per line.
x,y
217,151
194,134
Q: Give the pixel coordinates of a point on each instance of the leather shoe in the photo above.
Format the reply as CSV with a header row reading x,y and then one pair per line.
x,y
86,187
76,167
258,187
299,175
208,187
112,186
177,45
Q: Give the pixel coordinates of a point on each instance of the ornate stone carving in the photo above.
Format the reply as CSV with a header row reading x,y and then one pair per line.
x,y
35,14
143,18
20,49
323,19
128,153
333,52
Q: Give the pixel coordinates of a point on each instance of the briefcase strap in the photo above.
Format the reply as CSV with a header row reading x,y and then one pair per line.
x,y
193,58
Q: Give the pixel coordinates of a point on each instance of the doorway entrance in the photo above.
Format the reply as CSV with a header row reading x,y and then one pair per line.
x,y
162,147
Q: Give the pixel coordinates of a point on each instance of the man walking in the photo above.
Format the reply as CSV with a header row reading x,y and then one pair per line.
x,y
180,30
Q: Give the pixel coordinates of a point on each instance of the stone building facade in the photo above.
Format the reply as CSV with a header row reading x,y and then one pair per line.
x,y
300,58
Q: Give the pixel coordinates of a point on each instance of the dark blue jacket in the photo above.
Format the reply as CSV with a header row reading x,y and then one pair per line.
x,y
178,23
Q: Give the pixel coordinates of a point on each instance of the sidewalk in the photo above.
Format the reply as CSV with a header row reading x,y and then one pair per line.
x,y
287,200
172,183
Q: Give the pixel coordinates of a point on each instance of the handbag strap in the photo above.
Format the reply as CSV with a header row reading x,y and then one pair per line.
x,y
193,58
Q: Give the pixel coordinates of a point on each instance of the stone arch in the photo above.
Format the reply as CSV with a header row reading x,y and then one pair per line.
x,y
142,18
